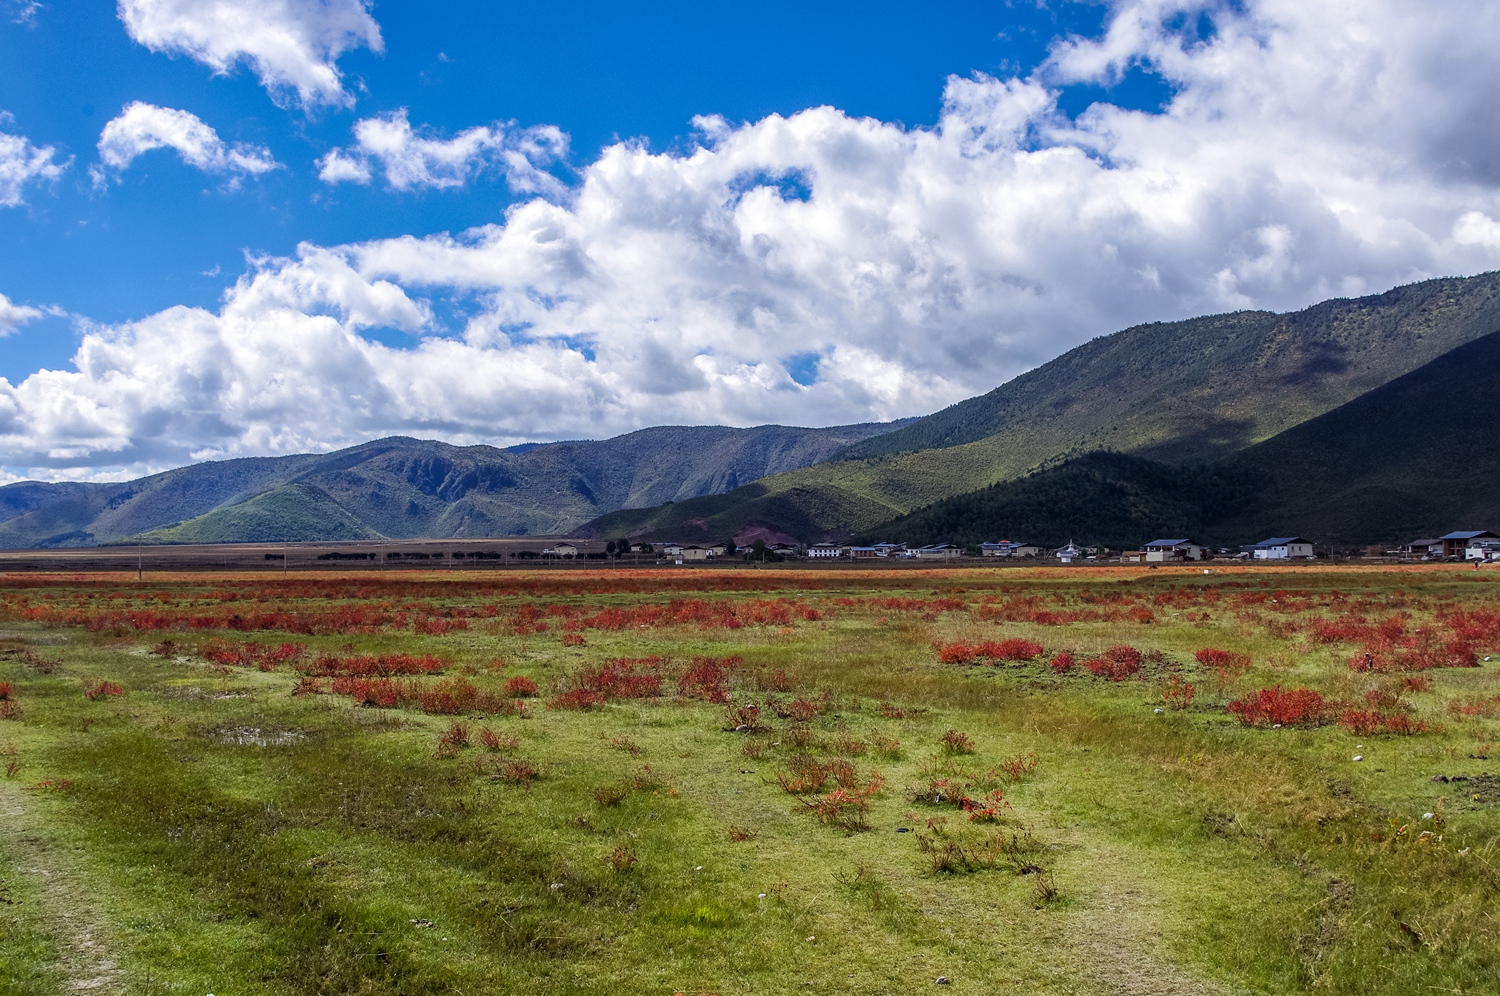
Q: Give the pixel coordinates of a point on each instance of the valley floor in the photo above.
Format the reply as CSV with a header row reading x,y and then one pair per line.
x,y
746,782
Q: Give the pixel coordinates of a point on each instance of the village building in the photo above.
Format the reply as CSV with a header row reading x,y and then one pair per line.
x,y
1456,544
1428,547
1281,548
827,551
1482,548
1069,553
694,552
671,549
561,550
1009,548
865,552
939,551
1167,550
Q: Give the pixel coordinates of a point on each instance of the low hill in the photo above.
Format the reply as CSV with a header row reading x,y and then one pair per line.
x,y
1179,392
1411,457
408,488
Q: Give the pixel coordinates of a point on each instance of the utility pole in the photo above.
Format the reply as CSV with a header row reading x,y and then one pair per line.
x,y
138,571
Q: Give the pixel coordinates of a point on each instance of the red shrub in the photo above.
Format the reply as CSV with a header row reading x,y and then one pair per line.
x,y
1011,650
520,687
1018,767
986,810
797,710
1004,650
622,678
1298,706
705,677
1178,694
456,737
1223,660
1117,663
375,666
1362,722
6,691
579,699
1062,662
954,742
97,689
778,681
572,639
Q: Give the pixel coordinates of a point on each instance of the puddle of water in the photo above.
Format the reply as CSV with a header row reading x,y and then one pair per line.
x,y
253,736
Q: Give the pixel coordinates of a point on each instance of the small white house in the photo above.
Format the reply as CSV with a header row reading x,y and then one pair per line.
x,y
561,550
692,552
1482,549
1281,548
1068,554
671,549
1167,550
827,551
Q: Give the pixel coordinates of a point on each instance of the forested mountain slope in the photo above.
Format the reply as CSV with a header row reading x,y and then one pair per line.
x,y
1174,392
400,487
1413,457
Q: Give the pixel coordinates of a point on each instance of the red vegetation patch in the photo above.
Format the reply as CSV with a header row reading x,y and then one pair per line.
x,y
1062,662
374,666
444,698
1363,722
256,655
7,693
577,700
1292,707
706,678
520,687
991,650
1178,694
98,689
1117,663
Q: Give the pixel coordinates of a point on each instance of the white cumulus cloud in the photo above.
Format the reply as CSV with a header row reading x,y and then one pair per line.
x,y
142,127
22,163
13,316
408,159
293,46
1308,151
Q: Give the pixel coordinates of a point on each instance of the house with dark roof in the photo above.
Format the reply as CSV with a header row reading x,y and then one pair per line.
x,y
1166,550
1009,548
1456,544
1281,548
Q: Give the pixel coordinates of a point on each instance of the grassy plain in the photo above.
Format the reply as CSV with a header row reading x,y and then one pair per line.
x,y
174,819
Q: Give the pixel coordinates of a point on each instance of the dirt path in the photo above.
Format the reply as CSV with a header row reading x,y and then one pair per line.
x,y
69,916
1117,939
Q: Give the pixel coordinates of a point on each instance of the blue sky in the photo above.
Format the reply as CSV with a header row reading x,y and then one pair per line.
x,y
236,227
167,234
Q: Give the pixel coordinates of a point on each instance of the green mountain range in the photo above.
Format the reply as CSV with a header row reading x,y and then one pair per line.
x,y
1410,457
1180,394
409,488
1353,421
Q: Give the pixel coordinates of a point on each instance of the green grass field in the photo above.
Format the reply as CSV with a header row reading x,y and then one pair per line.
x,y
785,788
